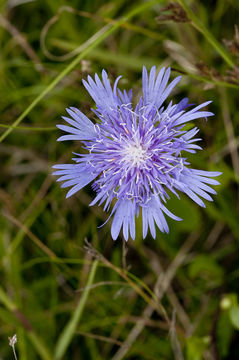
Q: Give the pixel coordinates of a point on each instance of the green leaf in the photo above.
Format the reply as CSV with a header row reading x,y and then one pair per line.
x,y
228,301
234,316
196,346
224,333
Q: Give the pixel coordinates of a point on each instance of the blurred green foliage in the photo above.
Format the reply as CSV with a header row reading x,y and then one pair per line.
x,y
172,298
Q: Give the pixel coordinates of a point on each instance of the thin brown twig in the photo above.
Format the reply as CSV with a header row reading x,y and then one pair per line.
x,y
74,52
39,196
161,285
149,322
214,343
95,17
124,253
157,306
158,269
181,313
229,131
84,272
174,339
102,283
214,235
22,41
28,232
100,337
234,145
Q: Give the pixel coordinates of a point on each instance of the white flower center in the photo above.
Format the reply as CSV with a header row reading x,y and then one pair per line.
x,y
134,154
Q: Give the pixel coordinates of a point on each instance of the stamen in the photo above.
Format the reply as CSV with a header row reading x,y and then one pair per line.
x,y
134,154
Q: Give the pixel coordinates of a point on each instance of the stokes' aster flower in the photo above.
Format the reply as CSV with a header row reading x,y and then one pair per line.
x,y
134,154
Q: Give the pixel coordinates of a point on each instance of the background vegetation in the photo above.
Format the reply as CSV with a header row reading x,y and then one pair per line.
x,y
172,298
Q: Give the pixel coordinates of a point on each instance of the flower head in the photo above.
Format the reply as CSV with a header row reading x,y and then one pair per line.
x,y
135,155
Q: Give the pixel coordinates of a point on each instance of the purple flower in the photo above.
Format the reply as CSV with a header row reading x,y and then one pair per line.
x,y
136,155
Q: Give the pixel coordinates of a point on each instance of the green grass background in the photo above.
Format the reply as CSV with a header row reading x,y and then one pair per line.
x,y
170,298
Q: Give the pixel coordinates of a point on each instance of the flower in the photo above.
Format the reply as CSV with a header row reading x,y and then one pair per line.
x,y
134,154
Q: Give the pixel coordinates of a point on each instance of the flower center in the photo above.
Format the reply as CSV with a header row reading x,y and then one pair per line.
x,y
134,154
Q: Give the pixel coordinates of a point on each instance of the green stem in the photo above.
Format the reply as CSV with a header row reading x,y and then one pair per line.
x,y
39,346
7,302
70,328
210,38
29,128
106,31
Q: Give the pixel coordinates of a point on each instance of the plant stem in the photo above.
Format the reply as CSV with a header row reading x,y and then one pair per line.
x,y
70,328
208,35
102,34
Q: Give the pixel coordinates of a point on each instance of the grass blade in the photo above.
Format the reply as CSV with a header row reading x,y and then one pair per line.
x,y
106,31
70,328
208,35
